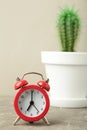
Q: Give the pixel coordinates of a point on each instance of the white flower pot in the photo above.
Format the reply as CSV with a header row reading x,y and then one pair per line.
x,y
67,72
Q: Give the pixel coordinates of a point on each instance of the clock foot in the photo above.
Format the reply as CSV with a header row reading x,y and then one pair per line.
x,y
46,121
31,122
17,119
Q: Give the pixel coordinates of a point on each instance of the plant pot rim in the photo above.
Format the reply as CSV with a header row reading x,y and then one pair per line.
x,y
67,58
63,52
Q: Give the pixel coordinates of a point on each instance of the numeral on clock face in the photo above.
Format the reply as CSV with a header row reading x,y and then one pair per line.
x,y
19,102
31,114
22,96
41,96
37,112
26,92
37,92
41,109
43,103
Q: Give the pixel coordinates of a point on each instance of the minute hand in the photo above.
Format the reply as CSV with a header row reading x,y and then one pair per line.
x,y
35,108
32,95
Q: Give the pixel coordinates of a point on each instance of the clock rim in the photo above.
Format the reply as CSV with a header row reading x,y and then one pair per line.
x,y
20,114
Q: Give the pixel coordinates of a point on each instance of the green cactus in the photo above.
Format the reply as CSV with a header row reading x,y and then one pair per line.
x,y
68,24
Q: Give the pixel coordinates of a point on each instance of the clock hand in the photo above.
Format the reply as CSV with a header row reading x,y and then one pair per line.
x,y
35,108
32,95
31,103
28,107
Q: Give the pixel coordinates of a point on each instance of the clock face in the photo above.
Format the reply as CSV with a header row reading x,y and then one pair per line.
x,y
31,103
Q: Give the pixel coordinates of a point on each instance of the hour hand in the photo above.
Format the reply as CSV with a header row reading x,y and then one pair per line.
x,y
31,103
28,107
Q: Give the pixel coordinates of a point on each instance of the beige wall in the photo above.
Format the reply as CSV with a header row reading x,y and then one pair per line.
x,y
26,28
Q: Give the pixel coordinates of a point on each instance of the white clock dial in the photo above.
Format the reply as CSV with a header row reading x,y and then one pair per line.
x,y
31,103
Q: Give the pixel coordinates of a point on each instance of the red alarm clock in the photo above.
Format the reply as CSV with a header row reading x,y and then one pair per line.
x,y
31,102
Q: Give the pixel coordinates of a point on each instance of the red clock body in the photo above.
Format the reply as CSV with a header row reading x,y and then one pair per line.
x,y
31,103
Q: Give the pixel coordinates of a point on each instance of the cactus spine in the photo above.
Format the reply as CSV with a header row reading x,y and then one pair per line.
x,y
68,24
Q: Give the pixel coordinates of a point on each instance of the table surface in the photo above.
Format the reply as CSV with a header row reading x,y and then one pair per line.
x,y
59,118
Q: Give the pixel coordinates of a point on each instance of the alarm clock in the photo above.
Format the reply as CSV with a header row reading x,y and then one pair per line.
x,y
31,102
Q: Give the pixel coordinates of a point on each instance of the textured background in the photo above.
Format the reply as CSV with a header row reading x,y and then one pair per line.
x,y
28,27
